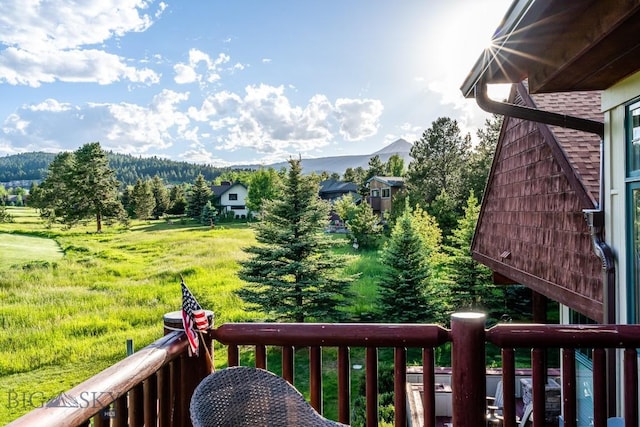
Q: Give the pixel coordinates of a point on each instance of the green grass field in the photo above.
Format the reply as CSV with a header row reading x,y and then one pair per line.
x,y
19,249
72,300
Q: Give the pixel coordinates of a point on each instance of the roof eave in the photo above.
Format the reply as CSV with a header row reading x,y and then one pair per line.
x,y
482,67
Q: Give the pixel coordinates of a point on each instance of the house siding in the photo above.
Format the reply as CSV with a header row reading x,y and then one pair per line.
x,y
533,211
237,206
616,221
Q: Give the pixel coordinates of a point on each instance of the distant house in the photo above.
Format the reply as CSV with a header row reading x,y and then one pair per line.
x,y
382,189
231,197
332,189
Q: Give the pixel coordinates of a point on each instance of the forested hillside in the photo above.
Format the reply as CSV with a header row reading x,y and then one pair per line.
x,y
33,167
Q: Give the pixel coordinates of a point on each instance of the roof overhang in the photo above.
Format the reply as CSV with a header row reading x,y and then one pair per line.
x,y
561,46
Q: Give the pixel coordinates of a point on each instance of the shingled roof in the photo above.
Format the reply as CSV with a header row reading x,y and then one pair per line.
x,y
531,228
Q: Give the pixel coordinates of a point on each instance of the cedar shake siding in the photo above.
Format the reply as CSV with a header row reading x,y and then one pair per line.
x,y
531,227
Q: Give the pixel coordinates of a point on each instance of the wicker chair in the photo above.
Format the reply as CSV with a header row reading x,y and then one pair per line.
x,y
242,396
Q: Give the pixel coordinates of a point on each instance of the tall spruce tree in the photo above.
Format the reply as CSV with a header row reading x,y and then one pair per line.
x,y
160,196
142,199
177,200
401,289
471,283
198,197
291,274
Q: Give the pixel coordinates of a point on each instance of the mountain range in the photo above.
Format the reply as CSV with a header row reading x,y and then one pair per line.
x,y
339,164
20,170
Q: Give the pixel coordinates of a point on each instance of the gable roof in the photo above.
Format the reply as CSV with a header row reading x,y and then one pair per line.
x,y
531,229
220,190
391,181
331,186
561,45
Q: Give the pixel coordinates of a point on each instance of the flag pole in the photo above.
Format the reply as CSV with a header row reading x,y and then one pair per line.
x,y
206,348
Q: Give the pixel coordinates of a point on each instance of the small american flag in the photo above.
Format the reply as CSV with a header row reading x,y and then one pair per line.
x,y
193,317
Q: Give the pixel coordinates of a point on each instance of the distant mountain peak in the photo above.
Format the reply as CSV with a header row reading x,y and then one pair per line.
x,y
398,146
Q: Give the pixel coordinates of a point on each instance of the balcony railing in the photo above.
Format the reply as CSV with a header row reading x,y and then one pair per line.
x,y
154,385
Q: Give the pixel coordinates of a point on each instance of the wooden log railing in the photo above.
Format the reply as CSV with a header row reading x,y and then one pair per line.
x,y
154,385
598,338
151,387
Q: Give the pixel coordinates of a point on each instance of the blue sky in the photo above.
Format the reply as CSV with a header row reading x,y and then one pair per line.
x,y
228,82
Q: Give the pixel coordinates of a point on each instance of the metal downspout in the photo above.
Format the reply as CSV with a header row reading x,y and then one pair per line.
x,y
594,217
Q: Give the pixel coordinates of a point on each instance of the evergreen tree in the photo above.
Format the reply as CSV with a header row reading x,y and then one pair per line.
x,y
177,200
142,199
51,197
80,185
291,273
444,210
160,196
471,282
95,187
364,228
402,287
439,161
477,171
437,290
208,216
198,197
127,201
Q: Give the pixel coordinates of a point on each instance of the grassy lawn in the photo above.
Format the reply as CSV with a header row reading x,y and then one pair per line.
x,y
75,297
19,249
66,319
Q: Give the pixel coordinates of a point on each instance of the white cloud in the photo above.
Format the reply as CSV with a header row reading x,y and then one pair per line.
x,y
188,72
199,154
358,117
58,40
262,123
50,105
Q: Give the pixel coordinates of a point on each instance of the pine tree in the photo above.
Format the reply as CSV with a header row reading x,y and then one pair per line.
x,y
198,197
291,273
177,200
439,161
142,199
402,286
160,196
80,185
471,282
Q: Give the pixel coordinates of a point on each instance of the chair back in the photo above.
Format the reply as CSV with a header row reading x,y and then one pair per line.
x,y
243,396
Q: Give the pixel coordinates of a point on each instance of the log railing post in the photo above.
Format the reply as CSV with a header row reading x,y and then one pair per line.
x,y
468,379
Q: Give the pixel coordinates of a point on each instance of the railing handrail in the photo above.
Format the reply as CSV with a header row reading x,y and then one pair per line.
x,y
104,388
563,336
332,334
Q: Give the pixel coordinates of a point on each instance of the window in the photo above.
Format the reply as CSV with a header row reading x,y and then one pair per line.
x,y
375,193
633,139
386,193
233,196
632,128
237,207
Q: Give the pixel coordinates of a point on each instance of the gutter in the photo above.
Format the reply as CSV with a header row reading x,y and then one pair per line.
x,y
594,217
